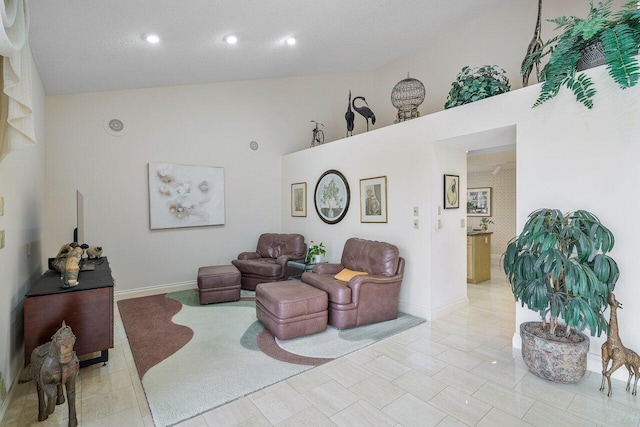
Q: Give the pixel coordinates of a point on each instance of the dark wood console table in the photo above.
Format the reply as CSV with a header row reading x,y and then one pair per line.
x,y
86,308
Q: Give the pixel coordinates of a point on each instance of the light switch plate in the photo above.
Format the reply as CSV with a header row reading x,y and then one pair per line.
x,y
415,211
416,223
462,224
1,239
1,206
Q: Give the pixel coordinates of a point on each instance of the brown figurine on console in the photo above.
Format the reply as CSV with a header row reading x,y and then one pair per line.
x,y
52,365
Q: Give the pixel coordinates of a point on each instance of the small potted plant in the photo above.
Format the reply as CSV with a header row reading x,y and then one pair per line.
x,y
600,38
315,253
558,267
473,84
484,223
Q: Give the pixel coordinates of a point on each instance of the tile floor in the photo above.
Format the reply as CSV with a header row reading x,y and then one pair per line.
x,y
456,371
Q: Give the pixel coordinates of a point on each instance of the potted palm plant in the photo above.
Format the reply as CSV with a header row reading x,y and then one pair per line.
x,y
474,84
558,267
600,38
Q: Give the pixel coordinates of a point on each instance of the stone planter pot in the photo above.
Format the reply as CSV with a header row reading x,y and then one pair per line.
x,y
561,362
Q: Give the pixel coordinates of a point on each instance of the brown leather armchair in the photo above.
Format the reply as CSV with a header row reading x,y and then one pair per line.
x,y
363,299
269,262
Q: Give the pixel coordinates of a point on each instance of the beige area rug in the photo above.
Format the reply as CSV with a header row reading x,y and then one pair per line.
x,y
193,358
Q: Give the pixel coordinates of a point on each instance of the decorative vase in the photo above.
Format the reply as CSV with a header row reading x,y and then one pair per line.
x,y
484,227
592,56
557,361
317,259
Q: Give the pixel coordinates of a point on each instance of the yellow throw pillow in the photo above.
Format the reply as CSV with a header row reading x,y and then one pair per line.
x,y
345,275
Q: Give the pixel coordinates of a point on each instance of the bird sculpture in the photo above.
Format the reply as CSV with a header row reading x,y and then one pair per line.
x,y
364,111
350,117
534,47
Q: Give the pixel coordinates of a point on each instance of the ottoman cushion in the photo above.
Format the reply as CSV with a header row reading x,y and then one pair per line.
x,y
290,309
218,283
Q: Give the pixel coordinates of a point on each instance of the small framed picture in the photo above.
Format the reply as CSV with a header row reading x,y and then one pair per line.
x,y
451,191
479,201
299,199
373,199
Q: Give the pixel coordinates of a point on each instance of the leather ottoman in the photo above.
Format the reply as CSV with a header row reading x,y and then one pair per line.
x,y
218,283
291,308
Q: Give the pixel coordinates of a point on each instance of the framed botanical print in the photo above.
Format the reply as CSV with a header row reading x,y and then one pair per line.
x,y
451,191
373,199
331,197
299,199
479,201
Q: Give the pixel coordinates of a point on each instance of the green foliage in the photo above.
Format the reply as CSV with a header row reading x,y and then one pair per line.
x,y
473,84
315,250
558,266
620,38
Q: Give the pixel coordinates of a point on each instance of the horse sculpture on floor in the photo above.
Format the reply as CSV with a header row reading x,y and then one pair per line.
x,y
52,365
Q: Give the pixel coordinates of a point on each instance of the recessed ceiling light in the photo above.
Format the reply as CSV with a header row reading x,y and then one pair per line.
x,y
152,38
291,41
231,39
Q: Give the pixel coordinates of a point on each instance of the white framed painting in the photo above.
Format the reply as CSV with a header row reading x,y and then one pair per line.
x,y
185,196
373,199
299,199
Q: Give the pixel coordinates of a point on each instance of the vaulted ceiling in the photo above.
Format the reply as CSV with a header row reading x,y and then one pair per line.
x,y
98,45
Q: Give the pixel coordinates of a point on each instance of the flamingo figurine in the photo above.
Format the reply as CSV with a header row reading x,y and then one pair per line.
x,y
364,111
349,116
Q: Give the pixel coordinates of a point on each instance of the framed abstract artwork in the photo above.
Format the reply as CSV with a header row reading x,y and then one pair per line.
x,y
373,199
479,201
451,191
185,196
299,199
332,196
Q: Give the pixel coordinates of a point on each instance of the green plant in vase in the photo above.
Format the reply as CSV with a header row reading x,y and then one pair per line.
x,y
558,267
612,39
484,223
474,84
315,252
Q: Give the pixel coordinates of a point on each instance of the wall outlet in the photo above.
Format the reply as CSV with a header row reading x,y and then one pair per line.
x,y
439,224
415,211
1,206
462,224
439,210
416,223
1,239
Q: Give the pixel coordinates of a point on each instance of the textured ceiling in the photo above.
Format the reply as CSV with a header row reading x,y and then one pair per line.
x,y
97,45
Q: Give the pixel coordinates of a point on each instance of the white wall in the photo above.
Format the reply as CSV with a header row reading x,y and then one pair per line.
x,y
568,157
22,176
201,125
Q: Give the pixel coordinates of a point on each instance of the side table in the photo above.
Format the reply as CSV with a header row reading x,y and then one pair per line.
x,y
304,266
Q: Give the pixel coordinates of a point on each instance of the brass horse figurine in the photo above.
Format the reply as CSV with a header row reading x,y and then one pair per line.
x,y
618,354
52,365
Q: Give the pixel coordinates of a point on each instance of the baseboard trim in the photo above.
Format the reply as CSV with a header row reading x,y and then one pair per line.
x,y
412,309
154,290
449,308
4,405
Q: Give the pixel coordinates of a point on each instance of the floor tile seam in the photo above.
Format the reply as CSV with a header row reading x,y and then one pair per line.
x,y
504,410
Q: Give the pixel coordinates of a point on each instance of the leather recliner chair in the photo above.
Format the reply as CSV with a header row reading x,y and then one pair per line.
x,y
269,261
363,299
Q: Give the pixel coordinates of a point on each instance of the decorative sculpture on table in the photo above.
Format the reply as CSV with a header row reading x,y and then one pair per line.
x,y
52,365
350,117
94,252
364,111
72,268
60,262
406,96
618,354
534,47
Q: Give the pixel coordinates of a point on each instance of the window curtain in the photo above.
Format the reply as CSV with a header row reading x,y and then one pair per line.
x,y
16,129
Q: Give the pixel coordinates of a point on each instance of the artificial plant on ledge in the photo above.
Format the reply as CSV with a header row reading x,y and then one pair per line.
x,y
619,35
